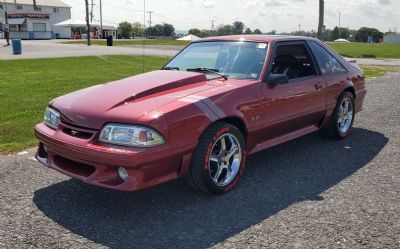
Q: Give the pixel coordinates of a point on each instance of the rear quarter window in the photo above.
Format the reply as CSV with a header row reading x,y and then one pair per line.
x,y
328,64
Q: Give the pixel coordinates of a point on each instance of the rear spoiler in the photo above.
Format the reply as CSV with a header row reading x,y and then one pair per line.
x,y
354,64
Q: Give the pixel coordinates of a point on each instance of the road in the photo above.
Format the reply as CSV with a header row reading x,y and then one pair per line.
x,y
49,49
309,193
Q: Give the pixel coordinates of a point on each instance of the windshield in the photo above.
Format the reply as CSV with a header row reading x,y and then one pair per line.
x,y
243,60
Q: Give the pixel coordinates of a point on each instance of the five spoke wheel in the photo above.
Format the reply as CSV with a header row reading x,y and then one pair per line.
x,y
225,159
345,115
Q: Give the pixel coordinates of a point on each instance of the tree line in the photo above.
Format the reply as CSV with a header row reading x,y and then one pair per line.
x,y
128,30
237,28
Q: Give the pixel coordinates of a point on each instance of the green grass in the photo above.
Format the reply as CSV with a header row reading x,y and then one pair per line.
x,y
365,50
377,71
26,87
352,50
133,42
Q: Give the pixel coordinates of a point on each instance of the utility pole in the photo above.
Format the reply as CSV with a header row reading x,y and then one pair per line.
x,y
321,20
91,11
87,22
101,20
212,24
150,20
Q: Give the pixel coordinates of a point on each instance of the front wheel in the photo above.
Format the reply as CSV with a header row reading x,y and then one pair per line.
x,y
341,123
219,159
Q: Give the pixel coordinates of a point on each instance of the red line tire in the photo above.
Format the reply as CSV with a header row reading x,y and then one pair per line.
x,y
203,166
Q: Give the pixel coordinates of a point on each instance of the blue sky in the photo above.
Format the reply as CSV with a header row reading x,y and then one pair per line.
x,y
281,15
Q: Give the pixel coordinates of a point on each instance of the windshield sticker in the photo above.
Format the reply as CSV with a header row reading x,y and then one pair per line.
x,y
262,45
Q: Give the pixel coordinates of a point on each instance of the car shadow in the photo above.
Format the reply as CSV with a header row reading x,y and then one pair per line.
x,y
173,216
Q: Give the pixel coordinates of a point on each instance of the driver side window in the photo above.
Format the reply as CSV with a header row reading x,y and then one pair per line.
x,y
294,61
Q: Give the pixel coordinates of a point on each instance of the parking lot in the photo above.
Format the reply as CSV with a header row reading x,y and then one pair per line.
x,y
309,193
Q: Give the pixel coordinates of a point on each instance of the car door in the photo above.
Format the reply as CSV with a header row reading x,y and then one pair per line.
x,y
301,102
332,70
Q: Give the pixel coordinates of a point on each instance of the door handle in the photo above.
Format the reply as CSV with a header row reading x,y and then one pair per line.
x,y
319,86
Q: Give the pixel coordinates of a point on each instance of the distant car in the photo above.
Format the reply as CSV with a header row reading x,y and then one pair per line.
x,y
199,117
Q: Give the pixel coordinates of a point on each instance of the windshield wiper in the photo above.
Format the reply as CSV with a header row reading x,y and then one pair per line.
x,y
170,68
208,70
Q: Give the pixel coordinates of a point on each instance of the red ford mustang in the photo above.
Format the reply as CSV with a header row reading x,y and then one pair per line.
x,y
216,102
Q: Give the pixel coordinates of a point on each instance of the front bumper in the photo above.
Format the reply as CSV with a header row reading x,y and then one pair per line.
x,y
98,164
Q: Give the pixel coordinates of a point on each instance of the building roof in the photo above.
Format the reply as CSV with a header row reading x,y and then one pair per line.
x,y
49,3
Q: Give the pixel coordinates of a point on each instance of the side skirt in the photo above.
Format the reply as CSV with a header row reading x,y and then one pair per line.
x,y
284,138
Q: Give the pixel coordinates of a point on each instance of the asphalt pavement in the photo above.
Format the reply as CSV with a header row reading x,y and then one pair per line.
x,y
309,193
49,49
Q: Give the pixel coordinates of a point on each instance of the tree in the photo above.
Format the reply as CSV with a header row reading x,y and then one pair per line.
x,y
272,32
137,29
125,29
195,32
225,30
161,30
168,29
257,32
248,31
344,33
238,28
364,32
335,34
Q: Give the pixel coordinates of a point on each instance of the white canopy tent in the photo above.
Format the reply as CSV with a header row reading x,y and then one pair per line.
x,y
342,40
82,24
189,38
95,28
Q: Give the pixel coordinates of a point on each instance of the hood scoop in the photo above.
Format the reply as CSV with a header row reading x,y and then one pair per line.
x,y
82,106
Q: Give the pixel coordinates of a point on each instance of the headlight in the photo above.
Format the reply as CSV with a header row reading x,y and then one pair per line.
x,y
127,135
51,118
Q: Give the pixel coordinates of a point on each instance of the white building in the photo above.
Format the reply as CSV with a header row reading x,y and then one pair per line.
x,y
393,38
29,22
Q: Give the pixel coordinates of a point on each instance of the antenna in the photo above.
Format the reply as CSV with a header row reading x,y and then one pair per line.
x,y
144,32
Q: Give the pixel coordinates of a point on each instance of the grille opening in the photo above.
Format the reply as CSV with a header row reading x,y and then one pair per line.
x,y
77,133
73,167
41,151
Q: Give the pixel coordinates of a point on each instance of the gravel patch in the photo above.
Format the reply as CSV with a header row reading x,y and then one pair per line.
x,y
308,193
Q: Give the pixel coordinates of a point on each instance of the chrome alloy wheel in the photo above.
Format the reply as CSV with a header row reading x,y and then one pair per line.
x,y
225,159
345,115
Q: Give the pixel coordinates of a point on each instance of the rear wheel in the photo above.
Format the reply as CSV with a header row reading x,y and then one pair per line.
x,y
341,123
219,159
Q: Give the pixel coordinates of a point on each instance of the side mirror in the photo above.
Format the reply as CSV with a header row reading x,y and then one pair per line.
x,y
275,79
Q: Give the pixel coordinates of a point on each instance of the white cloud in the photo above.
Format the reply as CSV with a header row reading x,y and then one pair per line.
x,y
282,15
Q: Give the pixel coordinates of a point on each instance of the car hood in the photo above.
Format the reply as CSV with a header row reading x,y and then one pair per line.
x,y
129,99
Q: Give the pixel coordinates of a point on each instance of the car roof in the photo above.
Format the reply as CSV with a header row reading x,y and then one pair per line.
x,y
256,38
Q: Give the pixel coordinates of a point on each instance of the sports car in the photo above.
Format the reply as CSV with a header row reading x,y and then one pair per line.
x,y
216,102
